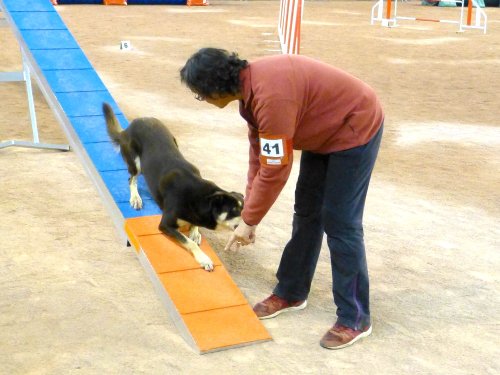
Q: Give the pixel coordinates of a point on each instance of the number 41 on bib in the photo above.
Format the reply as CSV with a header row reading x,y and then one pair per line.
x,y
274,150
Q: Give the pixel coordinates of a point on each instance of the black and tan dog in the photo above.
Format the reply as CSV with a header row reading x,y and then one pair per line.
x,y
184,197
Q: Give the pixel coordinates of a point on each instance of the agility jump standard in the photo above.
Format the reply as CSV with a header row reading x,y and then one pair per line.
x,y
390,19
207,308
289,21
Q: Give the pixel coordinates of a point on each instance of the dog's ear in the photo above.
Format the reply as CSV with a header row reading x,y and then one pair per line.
x,y
222,201
233,198
239,197
217,201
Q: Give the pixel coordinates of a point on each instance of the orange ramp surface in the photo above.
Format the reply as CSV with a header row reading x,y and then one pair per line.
x,y
207,307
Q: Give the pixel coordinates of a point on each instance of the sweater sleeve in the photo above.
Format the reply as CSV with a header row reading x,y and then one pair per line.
x,y
265,189
265,182
253,158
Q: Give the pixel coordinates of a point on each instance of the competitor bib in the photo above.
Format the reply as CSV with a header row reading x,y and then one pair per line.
x,y
274,150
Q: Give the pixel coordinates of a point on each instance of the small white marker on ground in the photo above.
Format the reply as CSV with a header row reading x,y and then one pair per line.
x,y
125,45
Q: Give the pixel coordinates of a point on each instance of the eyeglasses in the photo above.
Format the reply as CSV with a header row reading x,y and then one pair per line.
x,y
199,97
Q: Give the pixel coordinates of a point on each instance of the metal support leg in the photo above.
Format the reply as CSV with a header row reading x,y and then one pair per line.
x,y
26,77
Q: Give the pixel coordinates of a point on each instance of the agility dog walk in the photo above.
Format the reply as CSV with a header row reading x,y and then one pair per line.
x,y
207,307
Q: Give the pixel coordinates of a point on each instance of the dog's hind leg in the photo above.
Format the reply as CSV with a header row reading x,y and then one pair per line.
x,y
135,198
134,169
195,235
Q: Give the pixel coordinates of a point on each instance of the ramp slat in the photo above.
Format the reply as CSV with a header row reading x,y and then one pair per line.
x,y
91,129
48,39
61,59
38,21
75,80
27,6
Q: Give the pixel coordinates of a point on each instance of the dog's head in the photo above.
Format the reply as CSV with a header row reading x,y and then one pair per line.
x,y
226,208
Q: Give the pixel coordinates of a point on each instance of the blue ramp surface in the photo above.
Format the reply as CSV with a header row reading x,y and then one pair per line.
x,y
75,93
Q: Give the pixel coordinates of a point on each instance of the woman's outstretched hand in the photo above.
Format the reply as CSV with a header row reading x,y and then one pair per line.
x,y
243,235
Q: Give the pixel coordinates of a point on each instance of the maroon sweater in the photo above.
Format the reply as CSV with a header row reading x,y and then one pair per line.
x,y
292,101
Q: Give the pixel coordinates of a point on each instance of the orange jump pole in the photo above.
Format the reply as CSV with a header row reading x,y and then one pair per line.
x,y
469,13
298,22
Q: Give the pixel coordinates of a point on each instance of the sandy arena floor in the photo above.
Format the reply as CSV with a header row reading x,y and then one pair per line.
x,y
74,299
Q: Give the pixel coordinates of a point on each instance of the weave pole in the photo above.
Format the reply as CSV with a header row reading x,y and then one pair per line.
x,y
289,22
391,18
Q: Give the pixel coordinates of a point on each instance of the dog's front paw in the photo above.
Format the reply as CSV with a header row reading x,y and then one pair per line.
x,y
136,202
205,262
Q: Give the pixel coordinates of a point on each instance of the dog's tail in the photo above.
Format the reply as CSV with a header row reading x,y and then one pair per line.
x,y
112,124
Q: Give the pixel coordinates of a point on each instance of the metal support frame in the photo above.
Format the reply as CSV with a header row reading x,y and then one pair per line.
x,y
25,76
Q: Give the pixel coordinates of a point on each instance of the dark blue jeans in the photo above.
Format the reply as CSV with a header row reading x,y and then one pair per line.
x,y
330,198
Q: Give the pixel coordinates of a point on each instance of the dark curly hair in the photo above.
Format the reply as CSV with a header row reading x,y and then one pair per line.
x,y
213,71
